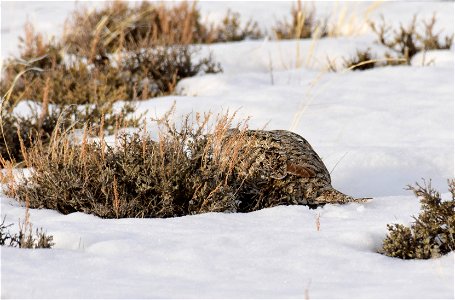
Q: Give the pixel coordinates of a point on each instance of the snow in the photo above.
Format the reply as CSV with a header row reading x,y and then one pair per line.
x,y
377,130
271,253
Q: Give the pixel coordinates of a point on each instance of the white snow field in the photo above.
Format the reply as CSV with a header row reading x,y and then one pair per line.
x,y
377,130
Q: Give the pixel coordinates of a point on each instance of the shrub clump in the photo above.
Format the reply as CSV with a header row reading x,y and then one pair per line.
x,y
362,60
406,42
231,30
432,234
81,69
44,71
25,237
183,172
21,132
118,26
303,25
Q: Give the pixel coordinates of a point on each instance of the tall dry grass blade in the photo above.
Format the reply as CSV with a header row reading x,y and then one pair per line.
x,y
116,201
303,106
44,104
375,61
97,36
8,93
23,149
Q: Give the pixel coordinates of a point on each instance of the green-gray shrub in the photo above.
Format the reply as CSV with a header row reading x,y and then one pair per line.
x,y
432,233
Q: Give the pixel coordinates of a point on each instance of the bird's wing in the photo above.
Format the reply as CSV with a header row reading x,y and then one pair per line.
x,y
300,170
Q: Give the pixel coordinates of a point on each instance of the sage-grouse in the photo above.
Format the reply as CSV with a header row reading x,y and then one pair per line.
x,y
283,168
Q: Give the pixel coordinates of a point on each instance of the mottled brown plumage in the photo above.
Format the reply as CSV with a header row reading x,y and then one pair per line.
x,y
283,168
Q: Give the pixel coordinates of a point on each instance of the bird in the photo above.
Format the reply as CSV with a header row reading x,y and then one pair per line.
x,y
280,167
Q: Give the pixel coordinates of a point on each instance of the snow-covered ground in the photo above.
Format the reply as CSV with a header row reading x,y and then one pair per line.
x,y
272,253
378,130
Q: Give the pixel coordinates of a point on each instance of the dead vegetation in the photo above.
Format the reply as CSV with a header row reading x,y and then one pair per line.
x,y
231,29
303,24
407,41
118,26
403,44
25,238
43,71
116,53
19,131
196,166
362,60
183,172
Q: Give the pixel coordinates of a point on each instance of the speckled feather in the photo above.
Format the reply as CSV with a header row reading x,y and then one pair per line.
x,y
283,168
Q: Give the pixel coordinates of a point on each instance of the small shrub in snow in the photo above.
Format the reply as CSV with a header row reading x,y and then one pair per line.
x,y
303,25
405,42
37,241
432,233
231,30
6,239
363,60
118,26
121,26
25,238
156,71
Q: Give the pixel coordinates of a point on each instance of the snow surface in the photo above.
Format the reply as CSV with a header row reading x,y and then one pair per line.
x,y
272,253
378,130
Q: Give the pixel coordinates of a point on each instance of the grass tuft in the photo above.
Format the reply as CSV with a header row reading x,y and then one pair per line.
x,y
25,238
302,26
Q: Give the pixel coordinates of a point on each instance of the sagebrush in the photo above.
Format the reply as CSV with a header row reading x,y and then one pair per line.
x,y
115,53
403,44
18,133
44,71
406,41
432,234
186,171
303,24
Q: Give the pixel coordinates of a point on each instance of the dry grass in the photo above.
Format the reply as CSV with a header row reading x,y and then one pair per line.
x,y
118,26
117,53
25,238
199,165
318,222
19,132
231,30
185,171
362,60
345,20
407,41
99,79
303,24
404,43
